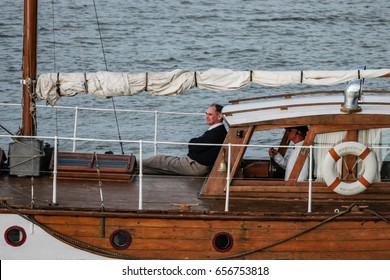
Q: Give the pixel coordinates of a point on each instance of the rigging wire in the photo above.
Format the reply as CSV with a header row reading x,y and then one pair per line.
x,y
54,37
105,62
54,58
79,37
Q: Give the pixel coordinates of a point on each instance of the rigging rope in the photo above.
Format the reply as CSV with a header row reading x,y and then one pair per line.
x,y
54,63
339,214
82,60
54,37
105,62
79,38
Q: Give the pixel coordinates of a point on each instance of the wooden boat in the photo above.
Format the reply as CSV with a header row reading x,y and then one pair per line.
x,y
244,209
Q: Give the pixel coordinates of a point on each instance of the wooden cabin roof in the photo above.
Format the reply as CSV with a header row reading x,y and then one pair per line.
x,y
266,110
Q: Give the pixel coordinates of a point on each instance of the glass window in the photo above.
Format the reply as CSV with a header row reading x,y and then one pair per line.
x,y
120,239
15,236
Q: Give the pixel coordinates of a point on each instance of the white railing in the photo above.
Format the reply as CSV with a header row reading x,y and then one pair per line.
x,y
76,122
141,144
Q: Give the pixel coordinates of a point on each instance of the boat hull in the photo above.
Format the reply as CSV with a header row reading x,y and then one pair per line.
x,y
346,235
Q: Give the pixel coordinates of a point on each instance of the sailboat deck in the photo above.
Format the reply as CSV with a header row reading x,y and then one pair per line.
x,y
173,194
85,194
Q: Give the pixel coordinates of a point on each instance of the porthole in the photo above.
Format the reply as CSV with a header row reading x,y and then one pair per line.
x,y
223,242
120,239
15,236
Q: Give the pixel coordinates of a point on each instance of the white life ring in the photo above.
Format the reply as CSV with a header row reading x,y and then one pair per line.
x,y
329,168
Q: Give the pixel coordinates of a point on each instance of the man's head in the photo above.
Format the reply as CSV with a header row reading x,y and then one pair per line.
x,y
214,114
297,133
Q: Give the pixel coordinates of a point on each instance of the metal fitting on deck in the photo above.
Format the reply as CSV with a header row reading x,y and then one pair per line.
x,y
353,94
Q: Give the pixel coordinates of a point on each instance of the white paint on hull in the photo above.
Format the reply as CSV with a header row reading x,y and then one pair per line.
x,y
39,245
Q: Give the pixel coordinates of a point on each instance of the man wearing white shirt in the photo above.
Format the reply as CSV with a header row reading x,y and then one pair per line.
x,y
297,136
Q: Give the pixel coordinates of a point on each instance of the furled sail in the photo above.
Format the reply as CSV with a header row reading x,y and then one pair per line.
x,y
52,86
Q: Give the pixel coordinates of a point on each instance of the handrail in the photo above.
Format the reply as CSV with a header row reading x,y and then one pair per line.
x,y
76,114
78,109
309,198
140,185
290,95
228,178
143,142
155,143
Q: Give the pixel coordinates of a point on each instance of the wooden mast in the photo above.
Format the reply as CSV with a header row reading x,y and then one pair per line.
x,y
29,65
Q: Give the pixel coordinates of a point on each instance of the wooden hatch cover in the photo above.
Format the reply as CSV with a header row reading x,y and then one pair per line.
x,y
94,166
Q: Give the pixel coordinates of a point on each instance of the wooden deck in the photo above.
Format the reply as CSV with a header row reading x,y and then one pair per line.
x,y
175,194
85,194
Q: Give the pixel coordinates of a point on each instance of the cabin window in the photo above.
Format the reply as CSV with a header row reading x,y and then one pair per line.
x,y
385,155
120,239
15,236
222,242
262,141
256,161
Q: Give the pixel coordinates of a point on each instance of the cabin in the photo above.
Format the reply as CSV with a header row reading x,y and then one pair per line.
x,y
255,125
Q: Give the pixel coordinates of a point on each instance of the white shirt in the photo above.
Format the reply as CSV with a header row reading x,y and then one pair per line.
x,y
214,125
288,162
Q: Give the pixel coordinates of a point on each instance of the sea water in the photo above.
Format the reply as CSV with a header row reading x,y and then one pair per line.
x,y
153,36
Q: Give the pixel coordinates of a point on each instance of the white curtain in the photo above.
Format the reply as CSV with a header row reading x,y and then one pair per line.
x,y
372,138
324,142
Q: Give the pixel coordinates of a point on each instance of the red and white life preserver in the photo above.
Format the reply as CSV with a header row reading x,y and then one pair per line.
x,y
329,168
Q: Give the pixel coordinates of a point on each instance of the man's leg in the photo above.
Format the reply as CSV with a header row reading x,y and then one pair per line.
x,y
173,165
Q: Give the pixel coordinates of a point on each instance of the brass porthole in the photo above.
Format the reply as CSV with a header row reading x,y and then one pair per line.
x,y
15,236
223,242
120,239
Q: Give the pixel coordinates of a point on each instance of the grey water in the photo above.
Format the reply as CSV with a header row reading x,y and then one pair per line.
x,y
154,36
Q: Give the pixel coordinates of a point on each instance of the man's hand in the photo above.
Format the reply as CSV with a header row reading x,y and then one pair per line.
x,y
272,152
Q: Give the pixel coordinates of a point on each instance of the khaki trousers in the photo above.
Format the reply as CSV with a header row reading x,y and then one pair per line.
x,y
173,165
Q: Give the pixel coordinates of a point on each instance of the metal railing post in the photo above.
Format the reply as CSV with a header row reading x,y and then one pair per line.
x,y
228,178
54,199
155,131
76,114
309,200
140,186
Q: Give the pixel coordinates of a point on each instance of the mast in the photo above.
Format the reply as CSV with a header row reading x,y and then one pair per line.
x,y
29,65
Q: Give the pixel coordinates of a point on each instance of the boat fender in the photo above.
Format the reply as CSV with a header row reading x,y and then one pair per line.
x,y
349,188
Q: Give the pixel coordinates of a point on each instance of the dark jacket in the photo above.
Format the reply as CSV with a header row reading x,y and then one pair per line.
x,y
206,155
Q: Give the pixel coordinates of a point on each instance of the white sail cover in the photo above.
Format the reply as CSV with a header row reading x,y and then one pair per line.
x,y
52,86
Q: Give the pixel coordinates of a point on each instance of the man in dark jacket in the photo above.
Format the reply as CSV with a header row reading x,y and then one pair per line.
x,y
200,158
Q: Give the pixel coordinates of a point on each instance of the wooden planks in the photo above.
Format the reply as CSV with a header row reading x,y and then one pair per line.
x,y
180,238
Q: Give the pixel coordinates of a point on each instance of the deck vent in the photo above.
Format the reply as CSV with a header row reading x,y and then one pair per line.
x,y
353,94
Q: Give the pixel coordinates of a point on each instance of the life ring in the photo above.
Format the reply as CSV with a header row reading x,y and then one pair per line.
x,y
329,168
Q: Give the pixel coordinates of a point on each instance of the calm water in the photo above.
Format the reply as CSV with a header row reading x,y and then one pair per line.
x,y
144,36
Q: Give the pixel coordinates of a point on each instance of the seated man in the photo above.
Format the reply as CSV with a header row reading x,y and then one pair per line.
x,y
297,136
200,158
